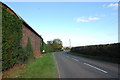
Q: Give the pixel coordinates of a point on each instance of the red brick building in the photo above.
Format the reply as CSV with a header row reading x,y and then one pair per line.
x,y
28,32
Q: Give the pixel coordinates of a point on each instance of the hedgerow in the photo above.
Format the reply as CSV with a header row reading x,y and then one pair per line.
x,y
108,50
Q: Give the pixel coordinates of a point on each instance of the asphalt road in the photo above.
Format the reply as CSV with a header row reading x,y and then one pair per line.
x,y
70,66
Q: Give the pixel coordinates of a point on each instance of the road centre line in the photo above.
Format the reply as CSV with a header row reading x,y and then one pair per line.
x,y
74,59
67,56
91,66
96,68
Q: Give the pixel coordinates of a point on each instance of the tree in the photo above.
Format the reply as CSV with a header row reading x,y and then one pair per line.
x,y
57,44
47,47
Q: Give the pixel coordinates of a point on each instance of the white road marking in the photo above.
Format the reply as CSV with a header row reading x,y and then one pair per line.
x,y
74,59
57,66
67,56
96,68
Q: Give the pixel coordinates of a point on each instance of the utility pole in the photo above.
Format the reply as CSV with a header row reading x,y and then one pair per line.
x,y
70,43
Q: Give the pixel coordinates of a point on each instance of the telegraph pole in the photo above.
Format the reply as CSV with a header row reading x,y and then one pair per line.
x,y
70,43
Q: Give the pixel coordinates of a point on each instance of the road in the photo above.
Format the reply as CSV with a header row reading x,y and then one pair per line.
x,y
70,66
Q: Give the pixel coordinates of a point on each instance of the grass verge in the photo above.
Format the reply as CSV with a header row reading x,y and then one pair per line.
x,y
113,60
43,67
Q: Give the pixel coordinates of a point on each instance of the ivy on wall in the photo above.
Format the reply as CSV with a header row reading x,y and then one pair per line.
x,y
29,50
12,51
41,46
11,36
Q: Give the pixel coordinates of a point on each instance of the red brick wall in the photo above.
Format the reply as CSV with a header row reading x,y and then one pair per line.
x,y
35,40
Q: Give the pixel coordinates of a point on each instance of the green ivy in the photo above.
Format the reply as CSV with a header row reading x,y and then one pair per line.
x,y
12,51
11,36
41,46
24,54
29,50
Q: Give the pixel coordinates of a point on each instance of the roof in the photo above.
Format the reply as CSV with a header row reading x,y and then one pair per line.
x,y
21,19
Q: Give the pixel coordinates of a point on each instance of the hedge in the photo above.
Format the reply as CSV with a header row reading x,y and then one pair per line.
x,y
108,50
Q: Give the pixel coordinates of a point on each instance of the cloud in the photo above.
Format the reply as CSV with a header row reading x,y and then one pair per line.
x,y
93,18
115,5
112,5
82,19
85,19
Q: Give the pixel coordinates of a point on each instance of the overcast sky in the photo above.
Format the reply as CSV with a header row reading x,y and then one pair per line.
x,y
85,23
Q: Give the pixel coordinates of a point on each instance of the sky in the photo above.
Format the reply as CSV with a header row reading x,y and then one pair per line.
x,y
84,23
60,0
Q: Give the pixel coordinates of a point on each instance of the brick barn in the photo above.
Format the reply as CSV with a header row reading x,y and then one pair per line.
x,y
27,32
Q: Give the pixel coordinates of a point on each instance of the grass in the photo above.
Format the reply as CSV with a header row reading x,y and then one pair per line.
x,y
102,58
43,67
